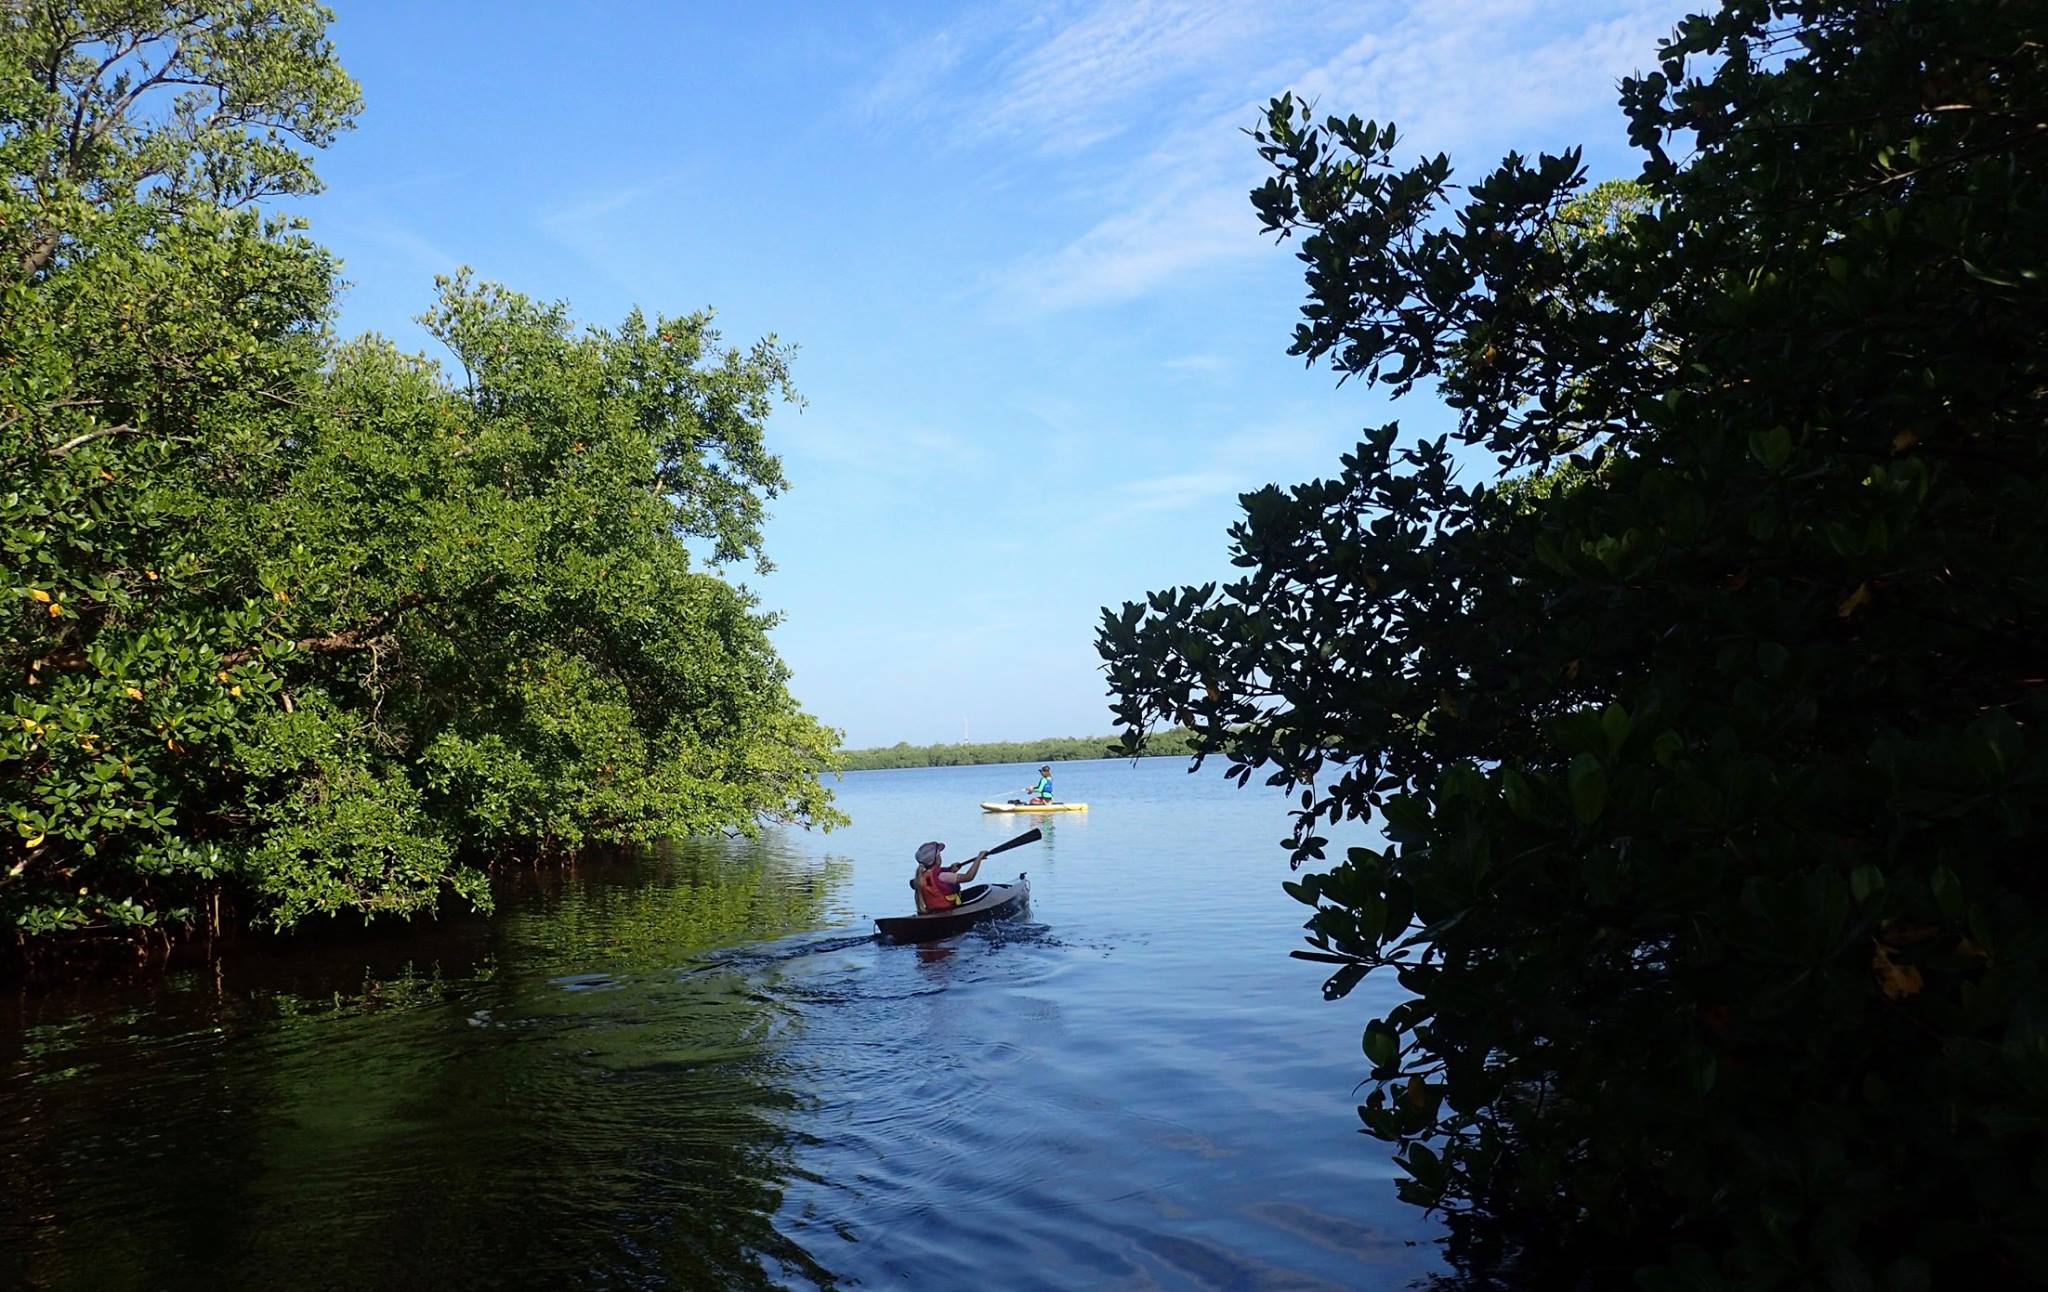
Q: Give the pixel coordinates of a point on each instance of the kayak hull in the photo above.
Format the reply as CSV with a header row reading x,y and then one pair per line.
x,y
984,902
1034,807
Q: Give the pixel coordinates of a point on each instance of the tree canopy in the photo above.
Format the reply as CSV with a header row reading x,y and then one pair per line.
x,y
1706,736
298,625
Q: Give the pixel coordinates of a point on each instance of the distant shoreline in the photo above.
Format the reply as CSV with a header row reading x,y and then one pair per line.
x,y
1053,749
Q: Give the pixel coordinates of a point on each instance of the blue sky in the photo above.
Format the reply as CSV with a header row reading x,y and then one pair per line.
x,y
1041,341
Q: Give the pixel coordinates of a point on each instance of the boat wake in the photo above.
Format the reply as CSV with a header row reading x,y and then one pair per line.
x,y
763,955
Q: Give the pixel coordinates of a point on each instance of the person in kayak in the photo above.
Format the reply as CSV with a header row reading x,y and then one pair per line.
x,y
1042,792
938,885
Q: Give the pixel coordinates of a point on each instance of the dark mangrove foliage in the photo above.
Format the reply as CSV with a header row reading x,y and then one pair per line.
x,y
1709,753
300,626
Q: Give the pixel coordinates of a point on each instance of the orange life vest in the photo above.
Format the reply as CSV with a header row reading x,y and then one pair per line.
x,y
934,889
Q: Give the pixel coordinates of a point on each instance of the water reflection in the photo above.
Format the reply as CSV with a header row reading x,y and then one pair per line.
x,y
706,1072
537,1098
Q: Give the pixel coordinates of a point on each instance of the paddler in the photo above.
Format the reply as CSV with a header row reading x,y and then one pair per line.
x,y
938,885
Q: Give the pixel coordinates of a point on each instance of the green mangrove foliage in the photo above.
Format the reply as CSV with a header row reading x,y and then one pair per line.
x,y
304,626
1711,769
1053,749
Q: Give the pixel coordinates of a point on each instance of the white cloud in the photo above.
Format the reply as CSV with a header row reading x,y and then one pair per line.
x,y
912,80
1135,250
1240,462
1181,489
581,216
1472,77
1489,73
888,455
590,228
1076,87
396,235
1197,363
1061,77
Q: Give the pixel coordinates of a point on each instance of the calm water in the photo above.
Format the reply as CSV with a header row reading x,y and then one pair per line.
x,y
702,1072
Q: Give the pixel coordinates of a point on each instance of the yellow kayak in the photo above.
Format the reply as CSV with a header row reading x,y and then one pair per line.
x,y
1034,807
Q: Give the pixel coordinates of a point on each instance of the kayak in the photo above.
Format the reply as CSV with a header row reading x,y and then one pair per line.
x,y
1015,806
978,902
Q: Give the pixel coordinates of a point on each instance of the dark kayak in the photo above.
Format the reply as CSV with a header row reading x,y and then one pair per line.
x,y
979,902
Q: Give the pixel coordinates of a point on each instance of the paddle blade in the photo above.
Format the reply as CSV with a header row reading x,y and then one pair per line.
x,y
1029,836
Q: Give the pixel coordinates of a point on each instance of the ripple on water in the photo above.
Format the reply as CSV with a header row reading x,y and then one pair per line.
x,y
677,1076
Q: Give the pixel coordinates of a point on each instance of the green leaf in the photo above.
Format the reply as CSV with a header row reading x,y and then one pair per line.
x,y
1772,448
1614,724
1667,748
1339,984
1380,1047
1519,793
1588,784
1407,817
1948,893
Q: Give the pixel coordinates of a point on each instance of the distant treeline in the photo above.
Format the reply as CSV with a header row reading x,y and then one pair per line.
x,y
1054,749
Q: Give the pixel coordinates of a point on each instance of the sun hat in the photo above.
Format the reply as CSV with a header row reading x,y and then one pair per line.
x,y
928,853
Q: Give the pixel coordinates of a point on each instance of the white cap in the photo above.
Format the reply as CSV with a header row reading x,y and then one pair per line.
x,y
928,853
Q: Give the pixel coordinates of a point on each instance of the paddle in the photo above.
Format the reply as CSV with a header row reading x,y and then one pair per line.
x,y
1029,836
